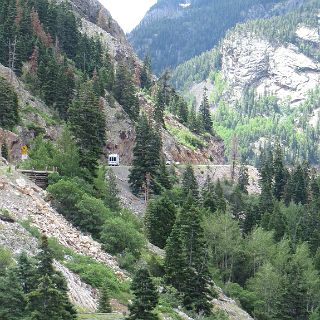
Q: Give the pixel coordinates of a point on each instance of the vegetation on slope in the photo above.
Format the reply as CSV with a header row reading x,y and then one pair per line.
x,y
182,33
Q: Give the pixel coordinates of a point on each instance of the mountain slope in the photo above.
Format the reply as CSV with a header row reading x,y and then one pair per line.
x,y
265,83
173,32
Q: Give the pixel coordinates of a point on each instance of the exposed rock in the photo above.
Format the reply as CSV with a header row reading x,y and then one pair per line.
x,y
120,133
212,153
80,294
308,34
230,307
24,200
35,108
250,62
16,238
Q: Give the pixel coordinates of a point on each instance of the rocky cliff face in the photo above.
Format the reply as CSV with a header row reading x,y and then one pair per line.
x,y
249,62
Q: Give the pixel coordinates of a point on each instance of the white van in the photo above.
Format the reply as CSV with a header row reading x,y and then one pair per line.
x,y
113,160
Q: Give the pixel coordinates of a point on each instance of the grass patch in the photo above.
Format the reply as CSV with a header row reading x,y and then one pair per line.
x,y
50,120
186,137
90,271
97,274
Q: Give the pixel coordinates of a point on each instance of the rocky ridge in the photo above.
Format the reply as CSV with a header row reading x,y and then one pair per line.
x,y
251,62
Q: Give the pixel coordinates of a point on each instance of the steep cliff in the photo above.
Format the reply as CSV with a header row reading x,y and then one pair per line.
x,y
175,31
263,82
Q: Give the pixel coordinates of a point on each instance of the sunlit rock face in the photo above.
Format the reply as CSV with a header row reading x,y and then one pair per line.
x,y
283,71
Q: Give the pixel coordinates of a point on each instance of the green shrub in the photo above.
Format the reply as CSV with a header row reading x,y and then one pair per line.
x,y
118,235
98,274
91,214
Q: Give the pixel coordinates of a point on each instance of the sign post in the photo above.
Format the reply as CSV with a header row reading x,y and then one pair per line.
x,y
24,152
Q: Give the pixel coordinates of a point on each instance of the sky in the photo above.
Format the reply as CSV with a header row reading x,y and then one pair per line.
x,y
128,13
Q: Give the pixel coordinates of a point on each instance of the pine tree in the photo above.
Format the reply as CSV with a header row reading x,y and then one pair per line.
x,y
12,298
299,185
197,281
159,220
189,183
277,222
88,126
159,107
209,196
125,92
204,112
221,201
279,173
243,179
146,159
9,116
163,180
175,260
49,300
26,272
145,296
104,300
146,73
266,179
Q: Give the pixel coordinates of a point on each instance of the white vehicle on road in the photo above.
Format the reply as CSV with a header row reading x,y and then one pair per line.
x,y
114,160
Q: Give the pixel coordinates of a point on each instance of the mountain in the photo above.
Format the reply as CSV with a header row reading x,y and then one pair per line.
x,y
174,31
153,237
263,81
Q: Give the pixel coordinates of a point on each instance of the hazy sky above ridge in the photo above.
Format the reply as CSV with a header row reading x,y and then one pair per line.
x,y
128,13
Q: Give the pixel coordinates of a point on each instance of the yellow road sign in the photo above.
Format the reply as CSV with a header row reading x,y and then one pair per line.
x,y
24,149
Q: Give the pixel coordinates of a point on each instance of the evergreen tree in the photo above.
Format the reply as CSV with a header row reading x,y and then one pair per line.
x,y
26,272
145,296
204,112
196,281
146,159
49,300
194,122
243,179
279,173
125,92
266,179
221,201
9,116
159,107
277,222
88,126
189,183
299,185
146,73
175,260
163,180
12,298
104,303
159,220
209,196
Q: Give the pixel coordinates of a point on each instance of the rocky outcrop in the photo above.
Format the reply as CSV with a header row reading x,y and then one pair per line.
x,y
211,153
230,307
80,294
33,113
25,201
252,62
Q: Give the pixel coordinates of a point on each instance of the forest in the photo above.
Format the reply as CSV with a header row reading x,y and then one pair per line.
x,y
181,34
263,250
